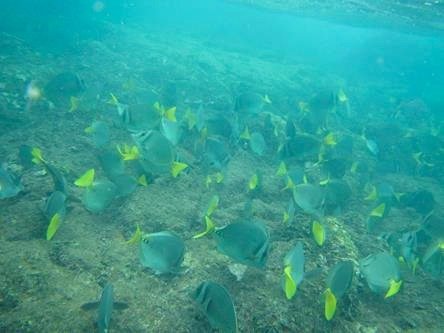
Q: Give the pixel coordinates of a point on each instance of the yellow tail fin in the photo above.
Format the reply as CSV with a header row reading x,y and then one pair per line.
x,y
209,227
53,226
177,168
86,179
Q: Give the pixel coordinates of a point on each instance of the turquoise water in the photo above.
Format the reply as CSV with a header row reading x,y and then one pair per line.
x,y
220,166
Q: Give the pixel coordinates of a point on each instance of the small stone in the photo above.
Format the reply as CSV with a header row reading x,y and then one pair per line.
x,y
238,270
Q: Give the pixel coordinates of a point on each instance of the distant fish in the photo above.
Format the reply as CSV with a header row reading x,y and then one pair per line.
x,y
408,249
36,157
257,143
372,146
10,185
105,305
216,153
99,132
251,103
62,87
157,154
67,83
33,93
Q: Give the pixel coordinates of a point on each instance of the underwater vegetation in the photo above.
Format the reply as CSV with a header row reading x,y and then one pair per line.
x,y
215,191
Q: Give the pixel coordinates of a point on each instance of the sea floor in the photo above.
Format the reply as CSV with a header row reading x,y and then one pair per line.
x,y
44,283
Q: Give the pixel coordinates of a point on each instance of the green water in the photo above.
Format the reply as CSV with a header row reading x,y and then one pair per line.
x,y
219,165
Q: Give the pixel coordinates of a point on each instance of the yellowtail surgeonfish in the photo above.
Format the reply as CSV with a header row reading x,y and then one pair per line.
x,y
293,274
99,132
245,242
310,198
54,210
105,307
162,252
257,143
59,180
338,282
98,194
114,166
157,154
216,303
382,272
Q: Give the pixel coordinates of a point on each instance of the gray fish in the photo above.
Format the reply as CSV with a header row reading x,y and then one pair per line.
x,y
111,163
250,103
99,195
55,204
372,146
296,174
25,157
58,179
379,270
295,260
26,160
162,252
125,185
99,132
171,130
433,259
10,185
408,247
114,168
245,242
140,117
337,193
216,152
340,277
105,307
219,126
157,153
63,86
385,192
257,143
304,147
310,198
216,303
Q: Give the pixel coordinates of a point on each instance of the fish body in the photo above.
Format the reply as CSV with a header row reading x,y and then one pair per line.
x,y
99,195
372,146
310,198
216,303
245,242
99,132
163,252
340,277
379,270
10,185
294,262
156,152
106,305
257,143
55,204
59,180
